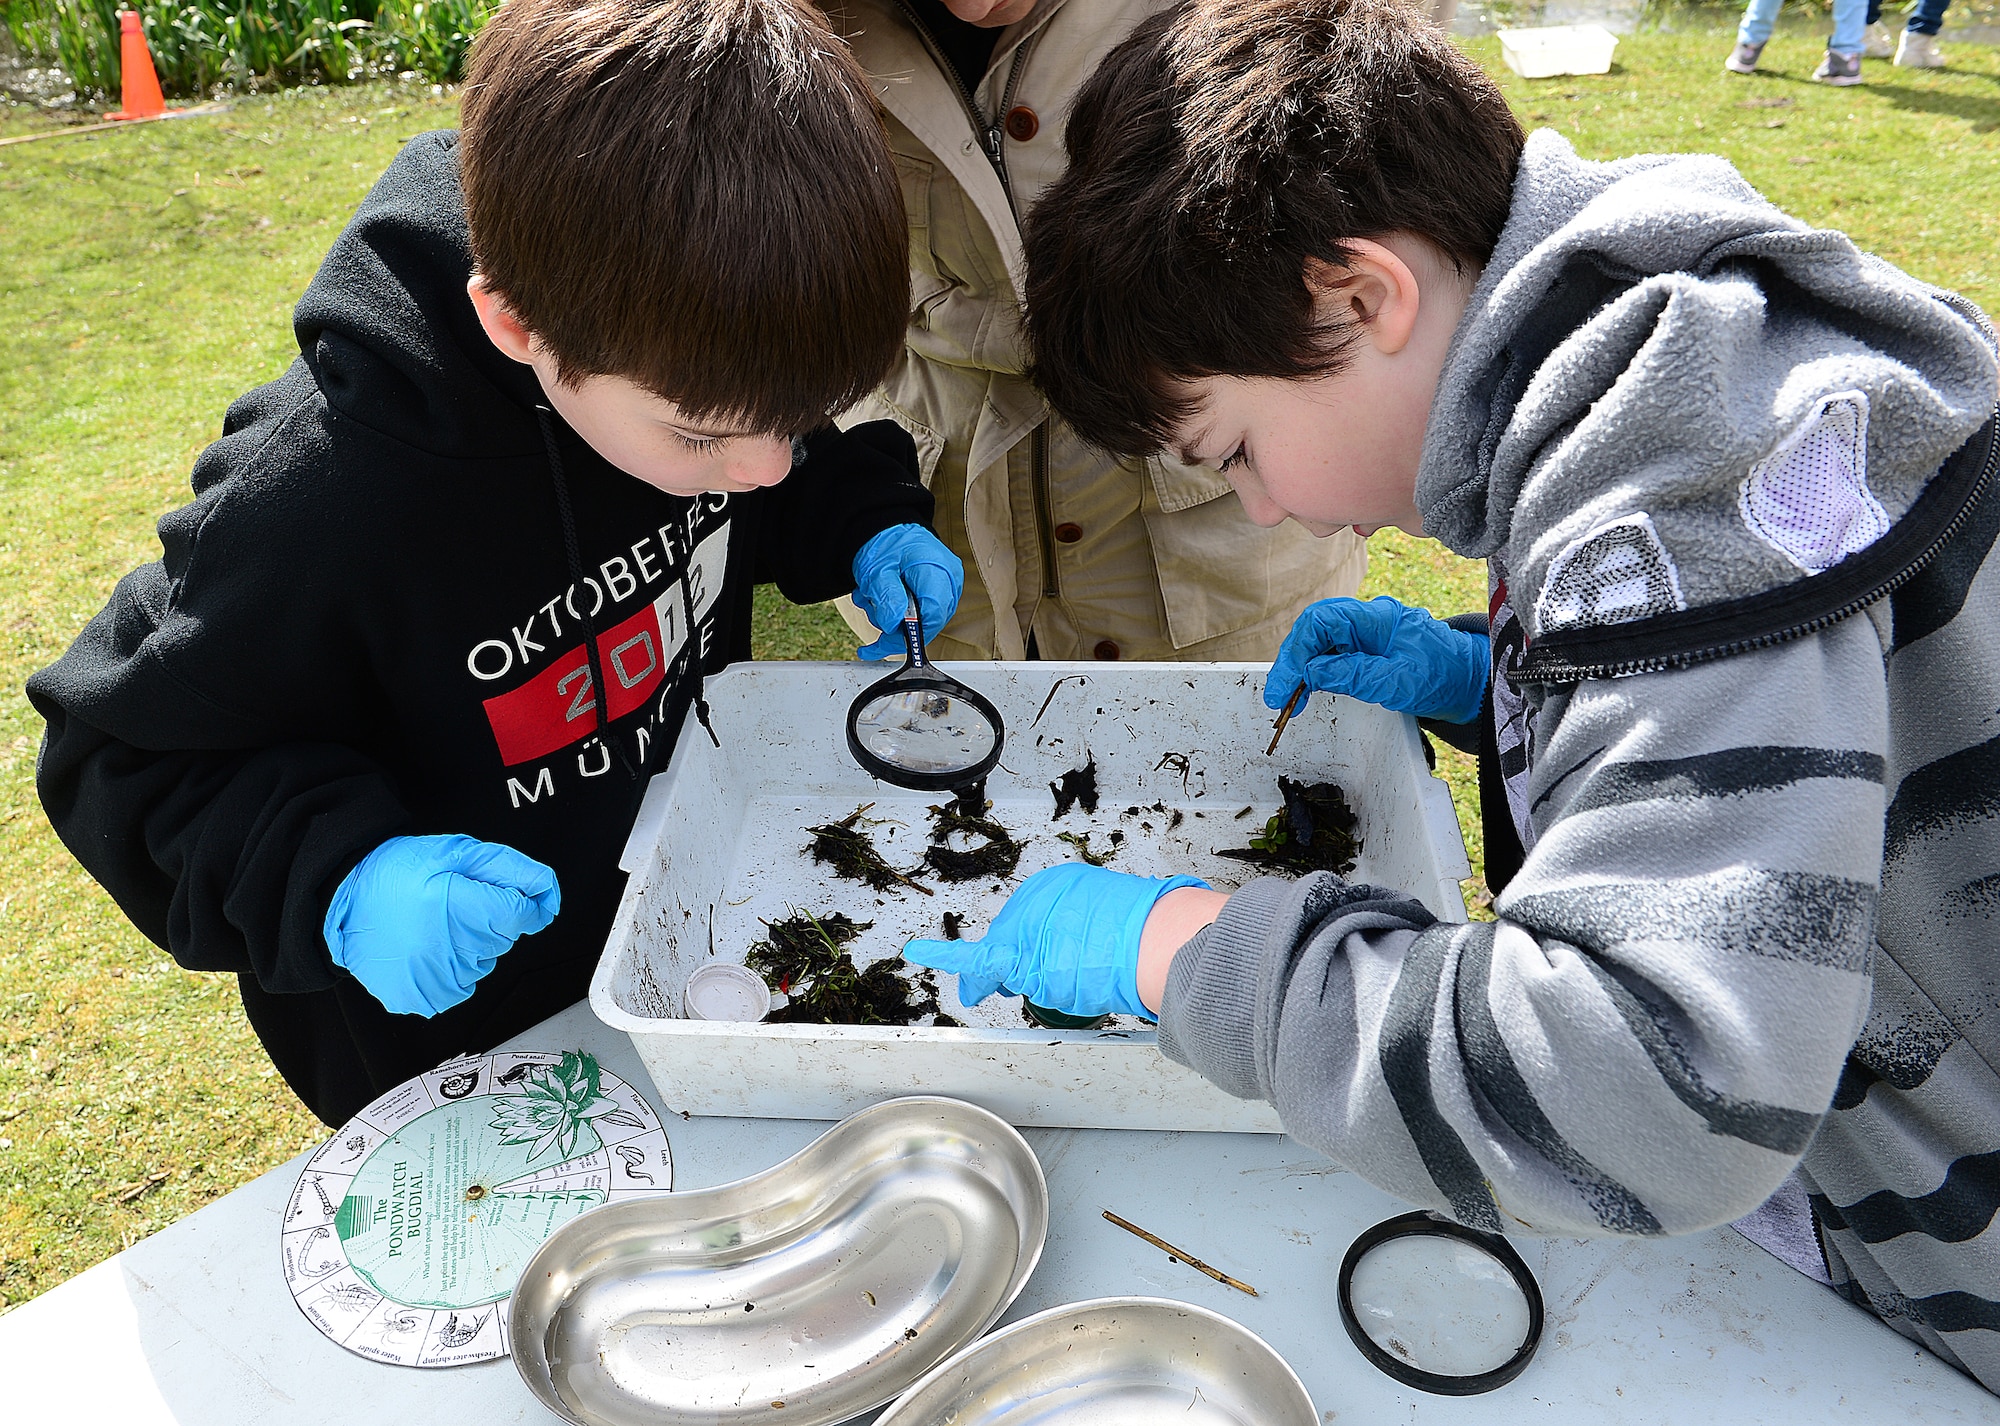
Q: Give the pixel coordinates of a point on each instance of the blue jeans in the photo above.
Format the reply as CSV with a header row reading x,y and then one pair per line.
x,y
1926,19
1850,18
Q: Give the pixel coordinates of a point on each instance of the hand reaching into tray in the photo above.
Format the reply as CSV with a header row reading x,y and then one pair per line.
x,y
1383,652
1068,939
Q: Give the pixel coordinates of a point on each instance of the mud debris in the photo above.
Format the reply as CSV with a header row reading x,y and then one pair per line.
x,y
1077,788
1313,831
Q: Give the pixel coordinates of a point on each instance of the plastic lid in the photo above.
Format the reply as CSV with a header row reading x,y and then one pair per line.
x,y
726,992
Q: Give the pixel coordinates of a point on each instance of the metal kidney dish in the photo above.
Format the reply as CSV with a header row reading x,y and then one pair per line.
x,y
806,1294
1115,1361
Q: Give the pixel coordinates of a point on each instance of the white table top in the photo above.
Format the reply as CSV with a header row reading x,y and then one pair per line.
x,y
195,1324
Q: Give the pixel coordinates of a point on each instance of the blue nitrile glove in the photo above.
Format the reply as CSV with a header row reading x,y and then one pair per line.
x,y
421,919
1067,939
899,553
1382,652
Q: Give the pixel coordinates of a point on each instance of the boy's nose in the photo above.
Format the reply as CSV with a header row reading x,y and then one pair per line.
x,y
764,462
1258,506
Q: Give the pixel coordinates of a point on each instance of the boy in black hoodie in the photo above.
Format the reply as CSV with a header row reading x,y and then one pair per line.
x,y
371,734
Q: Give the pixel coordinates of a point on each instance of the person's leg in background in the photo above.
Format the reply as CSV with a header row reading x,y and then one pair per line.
x,y
1918,48
1842,64
1850,24
1759,16
1877,42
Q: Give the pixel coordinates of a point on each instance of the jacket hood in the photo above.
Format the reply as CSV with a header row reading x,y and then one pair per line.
x,y
387,330
1654,347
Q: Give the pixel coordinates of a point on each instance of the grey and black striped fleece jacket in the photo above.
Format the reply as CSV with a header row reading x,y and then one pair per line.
x,y
1757,927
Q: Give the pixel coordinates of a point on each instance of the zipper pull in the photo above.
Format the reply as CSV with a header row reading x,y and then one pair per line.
x,y
994,137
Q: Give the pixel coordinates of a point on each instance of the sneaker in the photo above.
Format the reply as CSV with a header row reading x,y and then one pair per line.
x,y
1919,51
1837,68
1743,59
1877,42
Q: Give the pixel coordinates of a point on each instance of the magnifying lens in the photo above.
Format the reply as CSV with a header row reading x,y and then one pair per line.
x,y
1439,1306
921,728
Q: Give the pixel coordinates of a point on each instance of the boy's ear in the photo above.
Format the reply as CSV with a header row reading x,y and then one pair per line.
x,y
1374,290
498,321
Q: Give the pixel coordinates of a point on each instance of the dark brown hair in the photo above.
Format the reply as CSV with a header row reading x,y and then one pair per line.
x,y
1210,156
696,195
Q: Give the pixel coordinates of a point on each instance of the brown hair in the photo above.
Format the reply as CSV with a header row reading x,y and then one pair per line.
x,y
1213,153
696,195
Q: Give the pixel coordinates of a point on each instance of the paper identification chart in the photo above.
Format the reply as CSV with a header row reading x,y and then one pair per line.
x,y
408,1228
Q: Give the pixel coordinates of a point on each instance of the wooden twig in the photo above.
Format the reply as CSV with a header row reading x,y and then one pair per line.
x,y
1278,728
143,1187
1080,678
1180,1254
64,133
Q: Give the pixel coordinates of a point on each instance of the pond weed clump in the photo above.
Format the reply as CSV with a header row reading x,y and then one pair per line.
x,y
1082,845
1313,831
852,853
804,957
993,852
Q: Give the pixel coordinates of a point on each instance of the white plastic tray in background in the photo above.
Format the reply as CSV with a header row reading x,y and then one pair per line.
x,y
719,848
1558,49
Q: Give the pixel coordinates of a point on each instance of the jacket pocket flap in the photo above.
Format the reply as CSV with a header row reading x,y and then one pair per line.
x,y
1180,486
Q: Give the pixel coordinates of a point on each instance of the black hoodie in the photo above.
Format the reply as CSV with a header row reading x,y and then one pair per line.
x,y
368,624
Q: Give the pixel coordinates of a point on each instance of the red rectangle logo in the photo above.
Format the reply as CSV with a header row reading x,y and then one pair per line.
x,y
558,706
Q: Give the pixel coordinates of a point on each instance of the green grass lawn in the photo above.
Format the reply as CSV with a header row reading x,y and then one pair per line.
x,y
146,277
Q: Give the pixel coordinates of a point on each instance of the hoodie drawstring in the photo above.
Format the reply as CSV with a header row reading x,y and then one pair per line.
x,y
694,655
578,579
546,419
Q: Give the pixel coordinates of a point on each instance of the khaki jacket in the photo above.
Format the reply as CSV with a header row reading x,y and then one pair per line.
x,y
1098,558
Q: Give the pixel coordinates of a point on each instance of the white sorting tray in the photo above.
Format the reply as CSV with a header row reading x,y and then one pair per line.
x,y
719,847
1558,49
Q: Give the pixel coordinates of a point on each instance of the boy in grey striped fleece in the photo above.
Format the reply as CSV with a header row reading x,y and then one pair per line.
x,y
1735,484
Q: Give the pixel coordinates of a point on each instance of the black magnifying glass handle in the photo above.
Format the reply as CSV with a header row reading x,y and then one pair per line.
x,y
913,633
921,728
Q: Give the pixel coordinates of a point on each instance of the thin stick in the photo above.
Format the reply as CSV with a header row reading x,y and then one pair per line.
x,y
1171,1251
1080,678
1278,728
113,124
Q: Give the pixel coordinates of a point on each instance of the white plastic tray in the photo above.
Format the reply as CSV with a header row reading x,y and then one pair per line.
x,y
1558,49
719,848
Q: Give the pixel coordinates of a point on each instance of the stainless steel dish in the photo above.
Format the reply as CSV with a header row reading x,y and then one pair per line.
x,y
1115,1361
803,1295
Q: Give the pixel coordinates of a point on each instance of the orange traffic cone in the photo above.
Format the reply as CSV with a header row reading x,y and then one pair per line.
x,y
138,82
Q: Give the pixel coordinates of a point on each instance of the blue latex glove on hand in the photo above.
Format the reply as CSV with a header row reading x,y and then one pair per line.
x,y
1382,652
935,575
1067,939
420,920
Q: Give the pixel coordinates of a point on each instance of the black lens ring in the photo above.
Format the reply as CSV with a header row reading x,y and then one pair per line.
x,y
1414,1225
909,679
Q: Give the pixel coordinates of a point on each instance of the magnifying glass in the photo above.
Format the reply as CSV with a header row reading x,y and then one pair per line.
x,y
1439,1306
921,728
